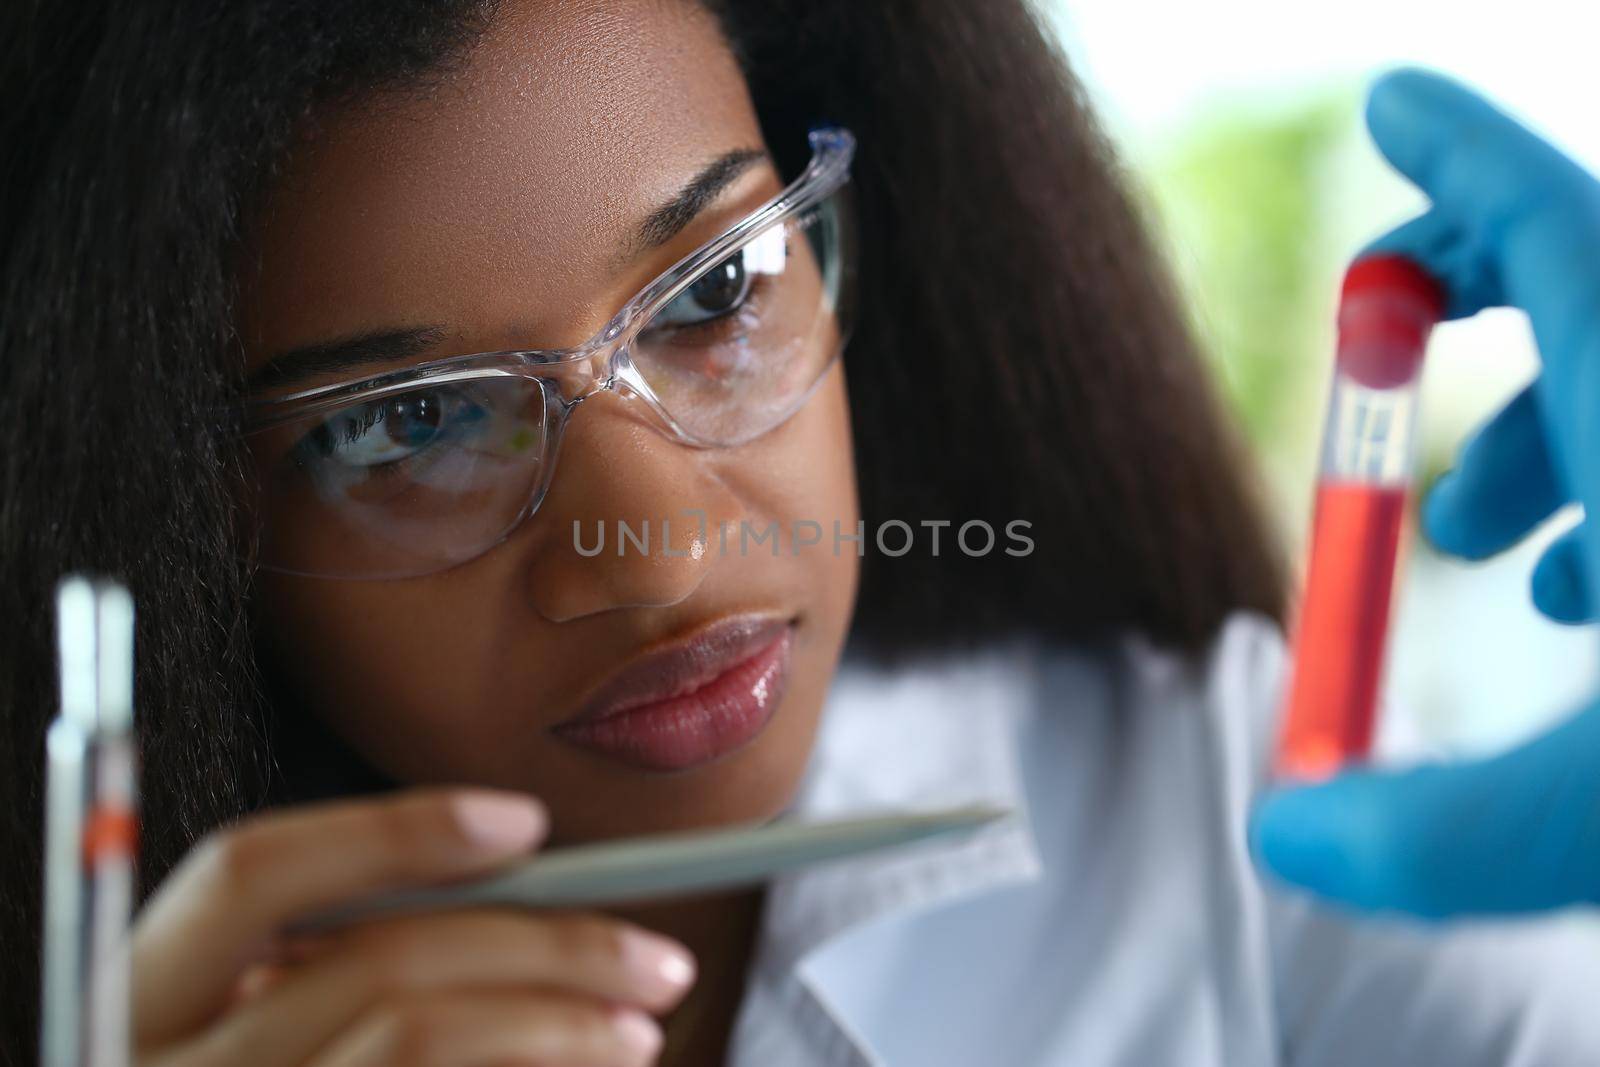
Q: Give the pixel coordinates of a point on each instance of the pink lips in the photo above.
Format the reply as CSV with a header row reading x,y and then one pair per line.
x,y
688,703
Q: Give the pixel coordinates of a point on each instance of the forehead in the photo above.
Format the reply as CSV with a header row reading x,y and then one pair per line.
x,y
506,188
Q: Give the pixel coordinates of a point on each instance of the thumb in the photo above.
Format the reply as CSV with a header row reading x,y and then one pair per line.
x,y
1515,833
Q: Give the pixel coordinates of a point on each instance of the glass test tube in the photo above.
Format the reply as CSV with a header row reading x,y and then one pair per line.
x,y
1387,309
110,835
91,827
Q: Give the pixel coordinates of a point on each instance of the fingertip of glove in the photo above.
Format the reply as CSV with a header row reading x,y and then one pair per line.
x,y
1406,86
1557,588
1291,833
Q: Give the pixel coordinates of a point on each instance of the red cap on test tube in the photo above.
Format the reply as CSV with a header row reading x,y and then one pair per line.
x,y
1387,307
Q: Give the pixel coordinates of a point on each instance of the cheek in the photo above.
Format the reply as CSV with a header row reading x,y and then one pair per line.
x,y
392,667
803,477
805,471
836,491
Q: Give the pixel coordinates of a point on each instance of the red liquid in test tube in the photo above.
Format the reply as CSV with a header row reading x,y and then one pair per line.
x,y
1388,307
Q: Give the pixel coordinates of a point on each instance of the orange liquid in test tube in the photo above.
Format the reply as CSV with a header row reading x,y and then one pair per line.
x,y
1342,630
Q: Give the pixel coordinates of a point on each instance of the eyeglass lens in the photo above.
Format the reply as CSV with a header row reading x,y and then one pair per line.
x,y
421,480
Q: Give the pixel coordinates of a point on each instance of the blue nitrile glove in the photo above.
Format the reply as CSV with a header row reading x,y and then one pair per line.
x,y
1513,222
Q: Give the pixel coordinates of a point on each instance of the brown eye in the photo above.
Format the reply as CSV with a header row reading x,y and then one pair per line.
x,y
414,420
389,430
720,291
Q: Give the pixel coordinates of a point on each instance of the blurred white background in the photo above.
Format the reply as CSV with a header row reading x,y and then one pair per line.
x,y
1241,120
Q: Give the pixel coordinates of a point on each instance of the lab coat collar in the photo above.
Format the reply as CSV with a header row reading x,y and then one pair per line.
x,y
940,736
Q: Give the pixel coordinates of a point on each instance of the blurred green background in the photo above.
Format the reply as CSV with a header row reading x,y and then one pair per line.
x,y
1242,123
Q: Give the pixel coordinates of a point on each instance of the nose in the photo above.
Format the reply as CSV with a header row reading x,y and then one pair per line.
x,y
630,519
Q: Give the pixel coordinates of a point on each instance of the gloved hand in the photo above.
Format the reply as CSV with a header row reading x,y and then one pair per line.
x,y
1512,222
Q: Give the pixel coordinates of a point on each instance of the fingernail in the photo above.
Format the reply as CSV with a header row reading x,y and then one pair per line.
x,y
659,963
499,822
639,1032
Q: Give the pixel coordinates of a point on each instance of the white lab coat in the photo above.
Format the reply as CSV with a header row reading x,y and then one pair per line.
x,y
1119,921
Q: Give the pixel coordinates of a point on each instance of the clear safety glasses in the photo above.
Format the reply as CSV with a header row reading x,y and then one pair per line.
x,y
413,471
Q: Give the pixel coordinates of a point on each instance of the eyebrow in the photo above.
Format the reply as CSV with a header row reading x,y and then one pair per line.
x,y
388,346
671,218
346,353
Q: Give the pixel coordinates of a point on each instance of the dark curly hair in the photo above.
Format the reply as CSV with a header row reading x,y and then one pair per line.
x,y
1008,284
